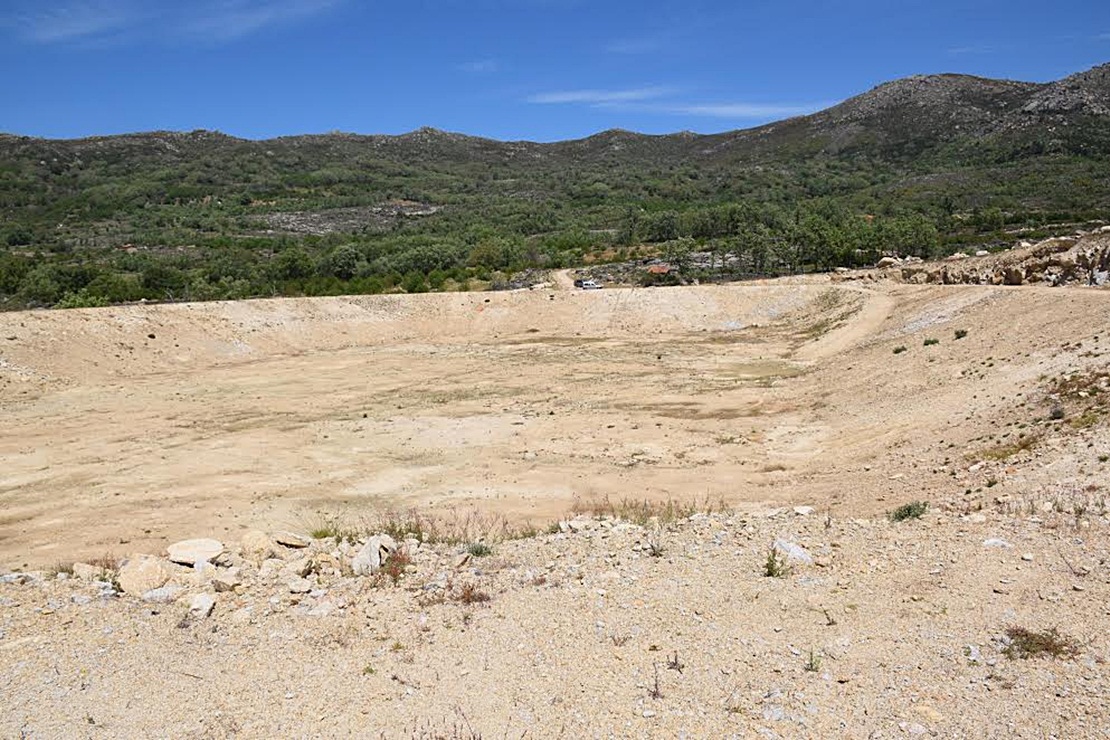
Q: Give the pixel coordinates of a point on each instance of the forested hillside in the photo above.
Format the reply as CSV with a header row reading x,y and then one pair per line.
x,y
924,165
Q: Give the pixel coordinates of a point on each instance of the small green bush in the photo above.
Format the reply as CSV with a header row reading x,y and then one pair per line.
x,y
899,349
479,549
913,510
931,342
961,333
775,566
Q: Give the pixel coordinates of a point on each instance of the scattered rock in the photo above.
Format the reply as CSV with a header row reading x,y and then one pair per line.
x,y
257,546
87,572
143,573
227,580
191,552
793,552
202,605
164,595
996,542
291,539
299,585
370,558
803,510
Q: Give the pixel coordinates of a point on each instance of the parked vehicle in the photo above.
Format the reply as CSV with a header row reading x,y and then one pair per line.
x,y
590,285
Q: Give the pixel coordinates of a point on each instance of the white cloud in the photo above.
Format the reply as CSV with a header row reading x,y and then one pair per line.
x,y
740,110
226,20
81,20
600,97
93,22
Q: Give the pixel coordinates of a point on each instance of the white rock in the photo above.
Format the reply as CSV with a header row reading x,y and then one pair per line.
x,y
370,558
291,539
803,510
202,605
143,573
793,551
164,595
257,546
87,572
299,586
227,580
996,542
190,552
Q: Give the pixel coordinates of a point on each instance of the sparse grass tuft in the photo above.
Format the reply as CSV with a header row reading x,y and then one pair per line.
x,y
930,342
912,510
468,593
961,333
813,662
776,565
643,511
899,349
1005,451
1025,643
479,549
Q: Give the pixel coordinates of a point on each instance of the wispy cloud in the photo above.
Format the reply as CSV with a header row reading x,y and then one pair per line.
x,y
1103,37
227,20
481,66
665,101
741,111
600,97
92,22
80,20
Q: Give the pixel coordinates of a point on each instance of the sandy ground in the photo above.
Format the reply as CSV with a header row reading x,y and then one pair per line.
x,y
127,428
791,403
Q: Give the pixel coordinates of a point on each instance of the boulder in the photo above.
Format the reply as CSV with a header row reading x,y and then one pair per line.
x,y
257,546
143,573
370,558
191,552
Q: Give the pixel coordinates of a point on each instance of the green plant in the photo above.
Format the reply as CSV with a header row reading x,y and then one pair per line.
x,y
479,549
930,342
813,662
912,510
899,349
776,565
1025,643
961,333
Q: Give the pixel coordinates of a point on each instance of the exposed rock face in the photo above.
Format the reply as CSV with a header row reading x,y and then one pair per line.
x,y
1081,260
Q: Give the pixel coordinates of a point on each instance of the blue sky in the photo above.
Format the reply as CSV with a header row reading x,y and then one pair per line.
x,y
509,69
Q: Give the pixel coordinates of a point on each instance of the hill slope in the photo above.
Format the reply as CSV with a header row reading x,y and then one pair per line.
x,y
970,156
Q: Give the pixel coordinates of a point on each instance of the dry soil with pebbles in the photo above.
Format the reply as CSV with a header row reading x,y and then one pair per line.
x,y
129,428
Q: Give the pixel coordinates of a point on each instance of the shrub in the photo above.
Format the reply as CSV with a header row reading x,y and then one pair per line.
x,y
913,510
480,549
1024,644
899,349
931,342
775,566
961,333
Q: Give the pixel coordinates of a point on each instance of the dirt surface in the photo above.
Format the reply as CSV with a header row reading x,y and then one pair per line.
x,y
129,428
